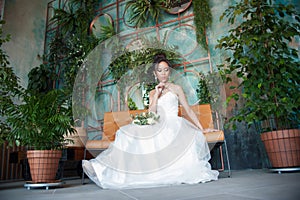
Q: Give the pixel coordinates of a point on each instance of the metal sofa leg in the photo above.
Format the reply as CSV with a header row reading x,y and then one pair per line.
x,y
227,158
82,176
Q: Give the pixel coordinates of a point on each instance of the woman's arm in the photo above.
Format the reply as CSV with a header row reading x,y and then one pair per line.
x,y
153,97
187,108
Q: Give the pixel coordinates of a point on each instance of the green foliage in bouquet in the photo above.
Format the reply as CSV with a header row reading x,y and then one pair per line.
x,y
145,118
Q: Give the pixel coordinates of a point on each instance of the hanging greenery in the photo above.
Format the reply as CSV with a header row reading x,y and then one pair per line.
x,y
202,20
125,60
143,10
107,31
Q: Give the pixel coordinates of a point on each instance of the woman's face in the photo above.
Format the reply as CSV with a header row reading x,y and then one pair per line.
x,y
162,72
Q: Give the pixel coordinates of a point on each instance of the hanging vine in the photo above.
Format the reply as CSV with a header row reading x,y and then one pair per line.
x,y
202,20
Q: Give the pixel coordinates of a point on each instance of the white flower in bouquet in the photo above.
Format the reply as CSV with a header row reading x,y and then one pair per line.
x,y
150,121
145,118
135,121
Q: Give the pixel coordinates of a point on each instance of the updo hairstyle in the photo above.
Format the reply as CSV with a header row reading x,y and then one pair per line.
x,y
158,58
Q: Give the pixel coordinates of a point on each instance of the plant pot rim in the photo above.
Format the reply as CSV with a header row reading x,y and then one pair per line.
x,y
280,134
282,130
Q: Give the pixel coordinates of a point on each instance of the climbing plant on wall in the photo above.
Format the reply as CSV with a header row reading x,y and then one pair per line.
x,y
202,20
72,40
70,43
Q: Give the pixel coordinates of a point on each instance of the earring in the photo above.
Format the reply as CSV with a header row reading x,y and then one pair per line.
x,y
155,79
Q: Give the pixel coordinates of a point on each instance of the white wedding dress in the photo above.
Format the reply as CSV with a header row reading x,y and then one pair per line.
x,y
172,151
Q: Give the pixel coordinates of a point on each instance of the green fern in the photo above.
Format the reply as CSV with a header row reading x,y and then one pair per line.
x,y
142,10
107,31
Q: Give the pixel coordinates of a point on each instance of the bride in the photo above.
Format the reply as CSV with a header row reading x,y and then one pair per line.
x,y
171,151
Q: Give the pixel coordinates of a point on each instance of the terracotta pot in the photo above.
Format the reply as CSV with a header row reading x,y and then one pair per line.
x,y
282,147
43,165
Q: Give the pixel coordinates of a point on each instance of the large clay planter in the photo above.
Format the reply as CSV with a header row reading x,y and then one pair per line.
x,y
283,147
43,165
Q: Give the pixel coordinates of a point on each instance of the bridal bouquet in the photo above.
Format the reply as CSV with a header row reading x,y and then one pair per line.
x,y
145,118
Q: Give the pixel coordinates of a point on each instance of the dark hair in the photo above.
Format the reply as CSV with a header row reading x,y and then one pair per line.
x,y
158,58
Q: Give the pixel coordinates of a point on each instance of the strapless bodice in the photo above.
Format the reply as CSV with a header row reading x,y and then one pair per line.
x,y
168,104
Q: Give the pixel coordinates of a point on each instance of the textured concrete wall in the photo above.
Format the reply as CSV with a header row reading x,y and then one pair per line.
x,y
25,21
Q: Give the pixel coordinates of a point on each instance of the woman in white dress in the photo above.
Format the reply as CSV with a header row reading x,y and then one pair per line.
x,y
171,151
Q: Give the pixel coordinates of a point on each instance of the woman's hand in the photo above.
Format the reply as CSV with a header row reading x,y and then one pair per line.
x,y
159,88
154,95
209,130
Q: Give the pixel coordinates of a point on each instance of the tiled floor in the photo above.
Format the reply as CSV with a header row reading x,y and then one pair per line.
x,y
243,185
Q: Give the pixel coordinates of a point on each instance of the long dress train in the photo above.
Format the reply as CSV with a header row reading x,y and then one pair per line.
x,y
172,151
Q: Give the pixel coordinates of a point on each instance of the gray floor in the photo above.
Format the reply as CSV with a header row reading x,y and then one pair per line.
x,y
243,185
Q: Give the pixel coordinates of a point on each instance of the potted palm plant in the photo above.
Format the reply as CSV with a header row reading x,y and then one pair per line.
x,y
38,118
268,69
40,122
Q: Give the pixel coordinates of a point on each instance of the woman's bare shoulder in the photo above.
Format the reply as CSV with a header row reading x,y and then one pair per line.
x,y
175,87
